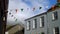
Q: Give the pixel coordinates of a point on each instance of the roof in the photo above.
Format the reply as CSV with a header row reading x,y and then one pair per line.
x,y
35,16
55,7
10,27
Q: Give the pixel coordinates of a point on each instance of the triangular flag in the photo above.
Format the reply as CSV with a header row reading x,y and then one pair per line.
x,y
16,20
27,8
21,9
16,10
11,15
14,17
33,9
40,7
10,10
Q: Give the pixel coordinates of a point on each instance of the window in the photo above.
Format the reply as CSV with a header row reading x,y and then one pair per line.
x,y
42,21
56,30
34,23
28,25
54,16
6,32
42,33
3,18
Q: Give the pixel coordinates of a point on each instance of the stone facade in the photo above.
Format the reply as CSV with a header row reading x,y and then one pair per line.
x,y
50,26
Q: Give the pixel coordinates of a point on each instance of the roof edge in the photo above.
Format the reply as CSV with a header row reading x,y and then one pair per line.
x,y
35,16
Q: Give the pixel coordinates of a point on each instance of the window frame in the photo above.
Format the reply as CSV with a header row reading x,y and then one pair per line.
x,y
54,30
41,21
34,24
28,25
54,17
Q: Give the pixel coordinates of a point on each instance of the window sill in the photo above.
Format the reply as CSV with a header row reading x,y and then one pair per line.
x,y
28,29
54,20
42,27
34,28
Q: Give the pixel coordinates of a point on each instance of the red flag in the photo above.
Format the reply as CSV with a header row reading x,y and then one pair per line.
x,y
33,9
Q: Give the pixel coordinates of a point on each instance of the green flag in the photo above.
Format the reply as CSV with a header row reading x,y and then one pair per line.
x,y
16,20
40,7
21,9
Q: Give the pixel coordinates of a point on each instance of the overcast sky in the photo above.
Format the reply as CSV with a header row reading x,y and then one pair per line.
x,y
27,13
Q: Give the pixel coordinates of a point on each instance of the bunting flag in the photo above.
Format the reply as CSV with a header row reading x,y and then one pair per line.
x,y
27,8
16,20
40,7
11,15
10,10
16,10
21,9
33,9
14,17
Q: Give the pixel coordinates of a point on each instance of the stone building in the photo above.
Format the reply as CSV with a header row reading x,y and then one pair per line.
x,y
15,29
45,23
3,15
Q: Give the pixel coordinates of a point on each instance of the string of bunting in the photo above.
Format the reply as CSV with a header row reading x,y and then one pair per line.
x,y
34,8
16,10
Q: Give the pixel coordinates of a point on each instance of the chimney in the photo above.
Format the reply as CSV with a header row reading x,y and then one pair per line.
x,y
58,1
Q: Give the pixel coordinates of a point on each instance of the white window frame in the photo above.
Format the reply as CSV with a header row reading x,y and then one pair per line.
x,y
40,22
33,24
53,30
53,17
28,26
